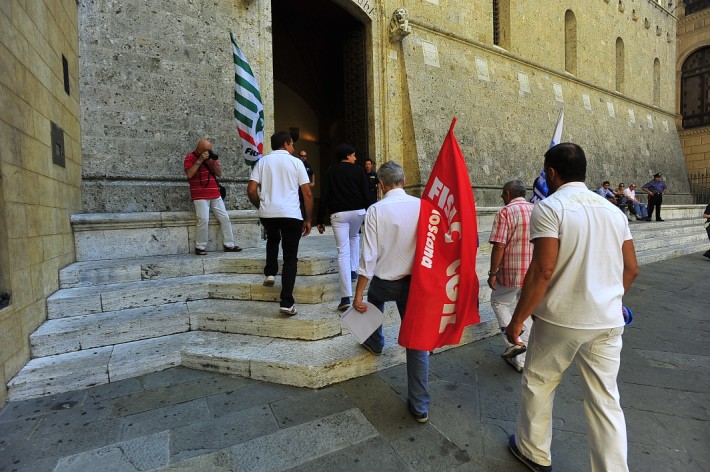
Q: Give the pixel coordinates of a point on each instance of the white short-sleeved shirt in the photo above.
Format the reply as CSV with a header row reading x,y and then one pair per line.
x,y
587,283
390,236
279,176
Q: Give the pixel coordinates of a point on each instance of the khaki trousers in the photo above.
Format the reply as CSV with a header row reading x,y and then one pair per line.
x,y
597,353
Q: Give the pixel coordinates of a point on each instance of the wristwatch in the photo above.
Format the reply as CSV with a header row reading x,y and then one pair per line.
x,y
492,273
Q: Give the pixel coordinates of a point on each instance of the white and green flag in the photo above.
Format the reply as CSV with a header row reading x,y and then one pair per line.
x,y
248,108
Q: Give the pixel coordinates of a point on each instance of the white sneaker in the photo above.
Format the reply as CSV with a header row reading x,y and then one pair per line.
x,y
269,281
288,310
515,365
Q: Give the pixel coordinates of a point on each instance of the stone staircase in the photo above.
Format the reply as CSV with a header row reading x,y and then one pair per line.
x,y
122,317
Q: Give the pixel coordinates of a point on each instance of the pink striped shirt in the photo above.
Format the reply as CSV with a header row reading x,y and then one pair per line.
x,y
511,226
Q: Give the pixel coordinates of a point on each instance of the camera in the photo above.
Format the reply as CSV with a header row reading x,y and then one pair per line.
x,y
212,155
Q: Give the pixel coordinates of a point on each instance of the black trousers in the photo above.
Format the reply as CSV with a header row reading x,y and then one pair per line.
x,y
655,201
286,231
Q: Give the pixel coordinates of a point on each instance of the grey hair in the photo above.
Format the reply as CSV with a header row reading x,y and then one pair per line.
x,y
516,188
391,174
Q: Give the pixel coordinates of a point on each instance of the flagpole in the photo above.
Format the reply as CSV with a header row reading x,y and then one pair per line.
x,y
453,123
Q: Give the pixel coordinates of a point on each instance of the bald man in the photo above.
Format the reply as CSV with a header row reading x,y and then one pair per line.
x,y
202,169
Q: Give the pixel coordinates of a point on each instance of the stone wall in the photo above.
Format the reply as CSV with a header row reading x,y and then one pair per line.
x,y
157,76
37,196
507,107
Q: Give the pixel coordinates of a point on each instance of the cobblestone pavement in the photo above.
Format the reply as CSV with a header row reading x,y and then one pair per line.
x,y
188,420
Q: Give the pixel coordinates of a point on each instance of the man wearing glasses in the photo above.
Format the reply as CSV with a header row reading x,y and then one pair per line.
x,y
640,209
303,155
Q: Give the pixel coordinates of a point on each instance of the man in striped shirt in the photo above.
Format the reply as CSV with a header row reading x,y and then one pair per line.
x,y
510,258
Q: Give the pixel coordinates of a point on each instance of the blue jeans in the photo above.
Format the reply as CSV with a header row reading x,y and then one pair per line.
x,y
640,209
397,291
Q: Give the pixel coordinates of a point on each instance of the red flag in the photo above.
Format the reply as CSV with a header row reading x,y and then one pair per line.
x,y
443,295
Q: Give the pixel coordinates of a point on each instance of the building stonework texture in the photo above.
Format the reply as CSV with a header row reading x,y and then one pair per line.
x,y
155,77
36,196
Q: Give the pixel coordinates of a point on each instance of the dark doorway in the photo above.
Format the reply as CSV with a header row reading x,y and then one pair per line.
x,y
320,82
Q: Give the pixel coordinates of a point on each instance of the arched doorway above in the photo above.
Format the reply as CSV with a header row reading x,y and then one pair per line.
x,y
695,89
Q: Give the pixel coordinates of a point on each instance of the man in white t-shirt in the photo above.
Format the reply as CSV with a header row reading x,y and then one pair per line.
x,y
639,208
273,189
583,262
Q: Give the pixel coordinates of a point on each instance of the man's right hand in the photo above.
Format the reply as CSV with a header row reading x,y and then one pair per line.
x,y
513,332
306,228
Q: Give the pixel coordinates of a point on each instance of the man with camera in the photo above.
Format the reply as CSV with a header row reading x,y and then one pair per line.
x,y
202,170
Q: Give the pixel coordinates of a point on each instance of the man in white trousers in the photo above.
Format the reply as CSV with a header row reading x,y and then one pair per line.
x,y
510,258
202,170
583,262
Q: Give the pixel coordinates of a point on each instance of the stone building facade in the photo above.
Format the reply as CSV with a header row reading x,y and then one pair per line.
x,y
40,165
387,76
693,84
157,76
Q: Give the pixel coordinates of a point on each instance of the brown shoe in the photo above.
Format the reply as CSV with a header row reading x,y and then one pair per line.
x,y
200,252
232,249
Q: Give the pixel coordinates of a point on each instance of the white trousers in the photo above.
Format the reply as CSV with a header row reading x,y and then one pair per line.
x,y
597,353
346,226
503,301
202,213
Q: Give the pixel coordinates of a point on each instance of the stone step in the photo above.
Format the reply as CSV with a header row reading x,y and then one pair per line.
x,y
255,318
311,261
687,235
662,253
316,257
87,300
120,318
96,330
249,261
295,362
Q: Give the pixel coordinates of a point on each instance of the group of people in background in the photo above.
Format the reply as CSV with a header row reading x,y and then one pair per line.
x,y
625,198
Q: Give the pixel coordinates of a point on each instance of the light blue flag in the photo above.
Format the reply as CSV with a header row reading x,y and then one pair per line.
x,y
540,189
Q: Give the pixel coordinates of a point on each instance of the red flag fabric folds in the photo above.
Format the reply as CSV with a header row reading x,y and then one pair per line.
x,y
443,294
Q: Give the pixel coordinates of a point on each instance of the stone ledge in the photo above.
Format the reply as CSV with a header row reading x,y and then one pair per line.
x,y
104,236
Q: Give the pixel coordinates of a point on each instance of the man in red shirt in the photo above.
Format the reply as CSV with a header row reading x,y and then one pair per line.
x,y
202,168
510,258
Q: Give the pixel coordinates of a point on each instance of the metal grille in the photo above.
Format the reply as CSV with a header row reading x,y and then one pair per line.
x,y
496,23
695,89
700,187
694,6
355,90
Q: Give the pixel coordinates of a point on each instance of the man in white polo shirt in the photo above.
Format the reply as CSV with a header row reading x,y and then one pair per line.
x,y
583,263
273,189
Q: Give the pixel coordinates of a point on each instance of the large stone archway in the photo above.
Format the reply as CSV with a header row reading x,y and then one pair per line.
x,y
321,63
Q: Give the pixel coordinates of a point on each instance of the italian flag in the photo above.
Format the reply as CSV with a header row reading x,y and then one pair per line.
x,y
248,108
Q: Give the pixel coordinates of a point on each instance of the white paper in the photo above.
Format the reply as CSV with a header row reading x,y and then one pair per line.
x,y
362,325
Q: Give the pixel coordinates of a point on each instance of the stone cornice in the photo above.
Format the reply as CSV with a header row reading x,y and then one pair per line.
x,y
694,17
690,132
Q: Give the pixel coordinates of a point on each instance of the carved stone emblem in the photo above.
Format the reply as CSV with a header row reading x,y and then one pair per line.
x,y
399,25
